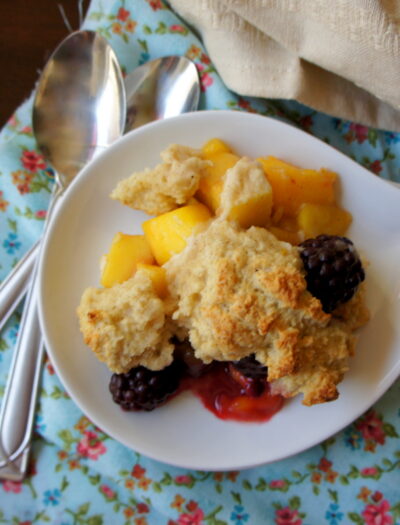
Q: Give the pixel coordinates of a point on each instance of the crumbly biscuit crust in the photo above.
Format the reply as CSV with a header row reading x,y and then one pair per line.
x,y
170,184
239,292
125,325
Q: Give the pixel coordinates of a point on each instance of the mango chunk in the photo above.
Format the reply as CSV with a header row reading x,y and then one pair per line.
x,y
167,234
292,186
125,253
254,212
316,219
285,235
157,276
211,184
213,146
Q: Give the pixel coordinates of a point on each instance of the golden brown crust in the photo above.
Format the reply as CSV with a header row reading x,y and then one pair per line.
x,y
322,363
286,286
355,312
238,292
169,185
125,325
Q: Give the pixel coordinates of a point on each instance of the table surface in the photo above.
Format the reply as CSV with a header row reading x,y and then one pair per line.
x,y
28,37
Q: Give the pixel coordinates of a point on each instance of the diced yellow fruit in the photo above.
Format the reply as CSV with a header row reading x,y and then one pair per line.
x,y
214,146
212,182
287,223
157,276
209,191
316,219
192,201
221,163
285,235
167,234
292,186
255,212
125,252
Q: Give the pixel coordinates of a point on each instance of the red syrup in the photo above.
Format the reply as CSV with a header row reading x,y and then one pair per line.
x,y
228,399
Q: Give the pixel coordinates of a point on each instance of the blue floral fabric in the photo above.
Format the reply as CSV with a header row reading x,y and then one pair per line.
x,y
79,475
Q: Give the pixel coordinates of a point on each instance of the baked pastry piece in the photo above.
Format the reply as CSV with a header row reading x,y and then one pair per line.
x,y
170,184
238,292
125,325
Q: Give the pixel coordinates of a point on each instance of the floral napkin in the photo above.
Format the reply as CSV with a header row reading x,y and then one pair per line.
x,y
80,475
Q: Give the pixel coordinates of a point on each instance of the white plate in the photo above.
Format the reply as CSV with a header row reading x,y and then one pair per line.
x,y
183,433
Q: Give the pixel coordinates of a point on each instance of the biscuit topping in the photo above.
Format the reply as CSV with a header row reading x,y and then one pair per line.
x,y
125,325
168,185
239,292
227,288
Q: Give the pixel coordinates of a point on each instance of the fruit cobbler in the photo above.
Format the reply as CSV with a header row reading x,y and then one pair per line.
x,y
242,288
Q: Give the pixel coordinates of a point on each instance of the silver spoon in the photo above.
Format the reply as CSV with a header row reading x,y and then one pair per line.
x,y
158,89
164,87
79,109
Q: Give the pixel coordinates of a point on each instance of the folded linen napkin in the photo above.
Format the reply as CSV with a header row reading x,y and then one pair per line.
x,y
78,473
341,58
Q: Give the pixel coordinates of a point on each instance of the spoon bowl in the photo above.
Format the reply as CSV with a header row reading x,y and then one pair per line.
x,y
80,103
164,87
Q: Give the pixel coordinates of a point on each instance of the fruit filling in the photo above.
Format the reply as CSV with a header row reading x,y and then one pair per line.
x,y
333,269
236,390
242,287
144,389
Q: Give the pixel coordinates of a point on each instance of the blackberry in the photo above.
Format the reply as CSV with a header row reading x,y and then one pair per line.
x,y
184,352
144,389
333,269
250,374
250,367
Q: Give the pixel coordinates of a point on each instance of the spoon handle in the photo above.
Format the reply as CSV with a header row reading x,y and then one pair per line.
x,y
15,286
18,405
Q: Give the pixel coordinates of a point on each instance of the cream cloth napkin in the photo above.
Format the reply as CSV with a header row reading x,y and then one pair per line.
x,y
340,57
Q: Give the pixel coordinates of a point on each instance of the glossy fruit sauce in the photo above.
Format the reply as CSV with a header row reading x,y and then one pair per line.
x,y
230,399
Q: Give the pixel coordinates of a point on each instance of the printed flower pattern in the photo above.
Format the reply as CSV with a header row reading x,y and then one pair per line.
x,y
3,203
80,475
287,516
32,161
11,244
90,446
12,486
333,515
377,510
52,497
120,23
